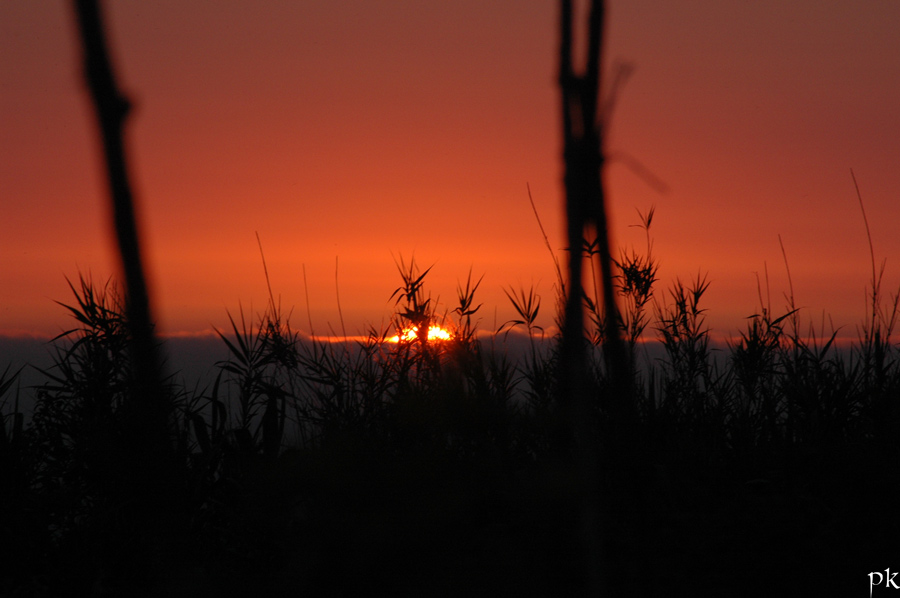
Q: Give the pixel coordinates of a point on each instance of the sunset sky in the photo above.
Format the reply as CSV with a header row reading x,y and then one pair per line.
x,y
365,131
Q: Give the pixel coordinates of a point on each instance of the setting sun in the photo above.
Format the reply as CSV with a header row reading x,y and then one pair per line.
x,y
435,333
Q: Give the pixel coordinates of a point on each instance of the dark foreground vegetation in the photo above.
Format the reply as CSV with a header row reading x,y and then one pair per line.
x,y
451,467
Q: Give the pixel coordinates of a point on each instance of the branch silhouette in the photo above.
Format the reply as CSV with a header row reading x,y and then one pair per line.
x,y
111,109
611,460
146,464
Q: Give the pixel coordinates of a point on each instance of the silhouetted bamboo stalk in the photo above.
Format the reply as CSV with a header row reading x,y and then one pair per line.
x,y
585,197
586,219
146,474
111,109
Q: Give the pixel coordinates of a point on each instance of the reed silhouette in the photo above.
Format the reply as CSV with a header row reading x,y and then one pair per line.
x,y
445,466
567,461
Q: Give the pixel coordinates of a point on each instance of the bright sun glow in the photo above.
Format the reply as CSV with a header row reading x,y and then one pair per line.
x,y
435,333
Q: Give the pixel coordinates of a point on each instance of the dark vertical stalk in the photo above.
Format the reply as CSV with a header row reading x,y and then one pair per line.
x,y
573,362
145,454
613,465
111,110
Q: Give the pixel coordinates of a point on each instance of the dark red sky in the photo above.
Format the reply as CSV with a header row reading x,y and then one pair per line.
x,y
366,131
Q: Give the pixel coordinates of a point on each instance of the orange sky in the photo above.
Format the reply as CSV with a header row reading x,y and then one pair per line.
x,y
367,131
